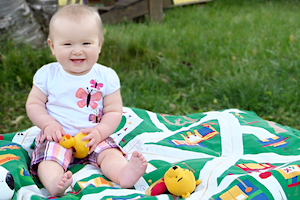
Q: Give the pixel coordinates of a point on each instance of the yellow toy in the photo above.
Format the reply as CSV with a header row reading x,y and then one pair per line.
x,y
178,181
76,142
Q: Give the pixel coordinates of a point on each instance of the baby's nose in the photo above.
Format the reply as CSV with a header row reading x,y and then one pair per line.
x,y
77,51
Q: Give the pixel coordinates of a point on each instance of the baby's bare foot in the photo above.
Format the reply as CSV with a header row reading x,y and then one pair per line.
x,y
134,169
62,183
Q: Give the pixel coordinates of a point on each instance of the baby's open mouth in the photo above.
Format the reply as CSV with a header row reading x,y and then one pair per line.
x,y
77,60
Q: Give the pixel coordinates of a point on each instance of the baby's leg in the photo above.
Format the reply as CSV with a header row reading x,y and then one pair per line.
x,y
115,167
53,177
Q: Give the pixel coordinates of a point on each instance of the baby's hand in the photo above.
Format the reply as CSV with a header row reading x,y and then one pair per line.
x,y
53,132
93,136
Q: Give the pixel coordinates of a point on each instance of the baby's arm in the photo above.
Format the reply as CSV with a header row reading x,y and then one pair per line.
x,y
112,115
37,113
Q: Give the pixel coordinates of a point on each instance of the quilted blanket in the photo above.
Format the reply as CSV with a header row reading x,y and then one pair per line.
x,y
235,153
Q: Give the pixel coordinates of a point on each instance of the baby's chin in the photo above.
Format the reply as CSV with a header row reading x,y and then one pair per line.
x,y
77,71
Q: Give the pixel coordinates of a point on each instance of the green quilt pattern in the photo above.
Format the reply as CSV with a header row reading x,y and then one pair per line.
x,y
235,153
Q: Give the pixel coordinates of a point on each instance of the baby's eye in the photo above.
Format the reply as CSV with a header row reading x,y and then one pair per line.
x,y
86,43
67,44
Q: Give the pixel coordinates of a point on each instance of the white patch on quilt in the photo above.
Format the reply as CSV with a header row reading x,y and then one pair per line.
x,y
25,192
132,121
26,138
141,185
109,192
170,154
150,168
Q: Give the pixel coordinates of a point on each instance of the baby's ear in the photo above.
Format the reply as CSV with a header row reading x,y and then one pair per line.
x,y
51,45
100,45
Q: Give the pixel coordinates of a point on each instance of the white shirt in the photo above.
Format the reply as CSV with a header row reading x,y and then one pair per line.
x,y
68,95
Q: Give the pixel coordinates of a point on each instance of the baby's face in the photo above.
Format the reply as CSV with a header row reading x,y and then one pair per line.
x,y
76,44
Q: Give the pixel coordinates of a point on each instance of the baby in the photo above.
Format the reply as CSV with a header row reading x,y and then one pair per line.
x,y
73,95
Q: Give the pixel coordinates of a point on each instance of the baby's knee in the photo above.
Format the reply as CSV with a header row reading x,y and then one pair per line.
x,y
111,153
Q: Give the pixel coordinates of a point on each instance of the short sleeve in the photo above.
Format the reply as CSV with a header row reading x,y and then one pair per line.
x,y
40,79
112,81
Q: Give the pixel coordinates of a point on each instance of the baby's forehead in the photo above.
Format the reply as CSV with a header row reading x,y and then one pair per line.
x,y
65,28
73,18
62,22
77,17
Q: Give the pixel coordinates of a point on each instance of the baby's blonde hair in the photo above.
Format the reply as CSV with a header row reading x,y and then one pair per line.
x,y
76,12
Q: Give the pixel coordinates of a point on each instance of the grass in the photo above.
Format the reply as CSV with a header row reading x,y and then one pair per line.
x,y
226,54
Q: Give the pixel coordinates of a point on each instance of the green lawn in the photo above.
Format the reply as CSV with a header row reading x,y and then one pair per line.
x,y
226,54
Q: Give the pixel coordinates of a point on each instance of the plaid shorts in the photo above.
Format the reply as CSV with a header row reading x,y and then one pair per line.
x,y
53,151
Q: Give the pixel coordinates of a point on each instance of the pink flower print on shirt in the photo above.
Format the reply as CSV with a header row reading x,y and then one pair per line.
x,y
88,99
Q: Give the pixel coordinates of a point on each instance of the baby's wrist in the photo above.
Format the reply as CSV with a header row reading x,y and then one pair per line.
x,y
99,132
47,125
51,124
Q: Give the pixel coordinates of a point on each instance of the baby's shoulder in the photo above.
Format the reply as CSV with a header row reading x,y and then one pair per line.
x,y
101,69
49,68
